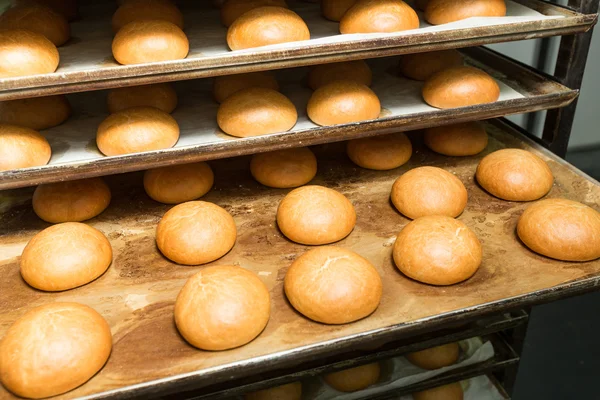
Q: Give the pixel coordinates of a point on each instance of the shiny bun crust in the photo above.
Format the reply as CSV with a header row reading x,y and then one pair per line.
x,y
22,148
24,53
452,391
233,9
435,357
158,95
146,10
36,113
440,12
466,139
289,391
334,10
421,66
323,74
288,168
178,183
225,86
381,153
369,16
354,379
67,8
39,19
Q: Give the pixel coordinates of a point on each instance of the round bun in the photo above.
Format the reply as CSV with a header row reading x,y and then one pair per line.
x,y
435,357
22,148
334,10
264,26
452,391
368,16
287,168
343,102
146,10
290,391
81,334
421,66
178,183
36,113
195,233
225,86
460,87
67,8
466,139
354,379
38,19
256,111
158,95
515,175
333,285
380,153
444,11
233,9
222,307
437,250
25,53
71,201
323,74
149,41
137,129
421,4
315,215
561,229
429,191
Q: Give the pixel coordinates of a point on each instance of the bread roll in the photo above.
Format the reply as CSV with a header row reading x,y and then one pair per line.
x,y
435,357
222,307
370,16
225,86
256,111
466,139
315,215
22,148
444,11
421,4
289,391
25,53
460,87
343,102
67,8
354,379
149,41
178,183
288,168
36,113
380,153
452,391
195,233
561,229
146,10
38,19
137,129
158,95
52,349
233,9
421,66
323,74
334,10
264,26
514,175
71,201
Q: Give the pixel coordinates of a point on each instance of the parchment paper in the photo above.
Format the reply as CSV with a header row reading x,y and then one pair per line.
x,y
478,388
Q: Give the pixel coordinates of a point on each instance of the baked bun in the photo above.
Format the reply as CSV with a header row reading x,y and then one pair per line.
x,y
370,16
561,229
52,349
158,95
334,10
380,153
264,26
289,391
288,168
354,379
437,250
515,175
233,9
195,233
222,307
452,391
149,41
22,148
315,215
256,111
25,53
225,86
429,191
323,74
435,357
67,8
421,4
36,113
460,87
71,201
466,139
343,102
179,183
444,11
146,10
39,19
421,66
137,129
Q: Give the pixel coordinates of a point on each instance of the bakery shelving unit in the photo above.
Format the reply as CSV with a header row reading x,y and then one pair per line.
x,y
136,295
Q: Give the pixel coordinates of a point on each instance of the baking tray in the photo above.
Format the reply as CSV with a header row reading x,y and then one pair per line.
x,y
75,154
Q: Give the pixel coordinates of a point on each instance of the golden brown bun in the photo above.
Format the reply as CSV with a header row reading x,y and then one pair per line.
x,y
149,41
137,129
222,307
146,10
466,139
22,148
67,8
515,175
38,19
178,183
158,95
429,191
354,379
421,66
225,86
334,10
36,113
380,153
290,391
195,233
421,4
323,74
264,26
343,102
71,201
444,11
453,391
315,215
333,285
52,349
435,357
25,53
256,111
460,87
233,9
288,168
561,229
368,16
437,250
